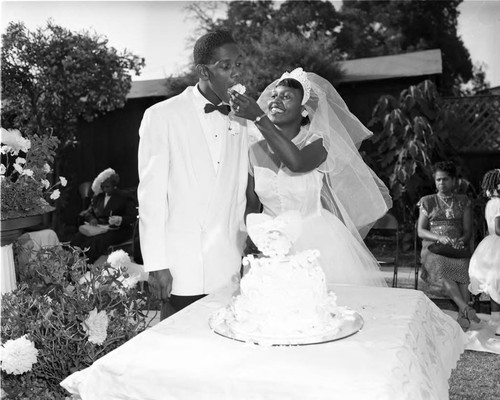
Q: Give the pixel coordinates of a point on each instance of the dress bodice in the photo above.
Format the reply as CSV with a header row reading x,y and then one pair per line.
x,y
283,190
445,219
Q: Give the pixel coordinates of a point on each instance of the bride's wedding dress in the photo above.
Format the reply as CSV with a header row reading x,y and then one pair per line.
x,y
344,258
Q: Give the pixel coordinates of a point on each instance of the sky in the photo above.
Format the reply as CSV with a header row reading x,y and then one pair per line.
x,y
160,31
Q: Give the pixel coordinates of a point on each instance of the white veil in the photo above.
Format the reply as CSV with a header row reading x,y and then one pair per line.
x,y
351,190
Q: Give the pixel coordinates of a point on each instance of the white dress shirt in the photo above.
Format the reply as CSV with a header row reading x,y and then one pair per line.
x,y
215,127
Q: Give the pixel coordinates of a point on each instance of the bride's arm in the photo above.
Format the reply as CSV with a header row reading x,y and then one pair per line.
x,y
296,160
253,202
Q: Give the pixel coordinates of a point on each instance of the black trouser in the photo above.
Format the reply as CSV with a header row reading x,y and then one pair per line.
x,y
180,302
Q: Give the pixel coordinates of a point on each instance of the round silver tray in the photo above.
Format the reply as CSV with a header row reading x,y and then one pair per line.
x,y
350,325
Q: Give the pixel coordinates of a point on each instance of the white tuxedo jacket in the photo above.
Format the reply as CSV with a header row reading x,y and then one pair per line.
x,y
191,218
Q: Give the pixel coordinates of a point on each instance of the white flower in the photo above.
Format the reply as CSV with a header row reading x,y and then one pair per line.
x,y
46,168
20,160
126,283
28,172
96,326
45,183
3,170
118,259
63,180
55,194
14,142
85,278
18,356
18,168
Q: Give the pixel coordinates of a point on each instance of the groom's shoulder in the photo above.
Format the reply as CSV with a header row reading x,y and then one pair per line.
x,y
178,101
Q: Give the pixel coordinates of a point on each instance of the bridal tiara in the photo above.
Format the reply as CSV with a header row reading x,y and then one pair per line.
x,y
300,76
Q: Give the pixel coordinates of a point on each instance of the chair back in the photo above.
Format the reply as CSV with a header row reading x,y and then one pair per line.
x,y
388,227
84,190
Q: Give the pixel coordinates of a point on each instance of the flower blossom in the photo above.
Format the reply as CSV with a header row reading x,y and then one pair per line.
x,y
45,183
118,259
3,169
27,172
20,160
63,180
13,142
96,326
55,194
18,168
126,283
46,168
18,356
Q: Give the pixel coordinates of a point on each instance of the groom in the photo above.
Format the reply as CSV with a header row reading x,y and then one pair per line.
x,y
193,167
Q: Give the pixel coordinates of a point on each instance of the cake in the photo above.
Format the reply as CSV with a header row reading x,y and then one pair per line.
x,y
282,298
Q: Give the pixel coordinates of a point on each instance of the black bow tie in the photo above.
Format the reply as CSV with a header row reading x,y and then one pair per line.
x,y
223,108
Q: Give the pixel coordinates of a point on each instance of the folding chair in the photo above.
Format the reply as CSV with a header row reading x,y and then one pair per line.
x,y
388,226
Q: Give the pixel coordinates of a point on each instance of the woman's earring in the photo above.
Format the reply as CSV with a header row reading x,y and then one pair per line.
x,y
304,113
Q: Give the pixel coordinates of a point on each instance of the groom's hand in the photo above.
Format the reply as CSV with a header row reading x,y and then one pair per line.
x,y
160,283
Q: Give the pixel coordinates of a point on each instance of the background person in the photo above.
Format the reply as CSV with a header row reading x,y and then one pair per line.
x,y
446,218
484,268
111,207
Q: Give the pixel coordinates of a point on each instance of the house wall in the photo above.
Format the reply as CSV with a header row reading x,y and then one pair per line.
x,y
361,97
110,141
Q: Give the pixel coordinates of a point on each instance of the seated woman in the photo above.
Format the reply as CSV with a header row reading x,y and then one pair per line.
x,y
111,207
446,218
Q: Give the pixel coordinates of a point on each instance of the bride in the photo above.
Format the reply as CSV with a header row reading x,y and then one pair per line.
x,y
305,159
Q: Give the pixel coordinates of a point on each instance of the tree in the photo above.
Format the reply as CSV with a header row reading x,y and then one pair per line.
x,y
51,77
277,39
375,28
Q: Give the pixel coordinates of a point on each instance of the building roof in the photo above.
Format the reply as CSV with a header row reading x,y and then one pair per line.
x,y
418,63
491,91
148,88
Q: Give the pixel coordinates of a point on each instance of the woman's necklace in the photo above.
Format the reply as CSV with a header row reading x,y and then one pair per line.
x,y
448,212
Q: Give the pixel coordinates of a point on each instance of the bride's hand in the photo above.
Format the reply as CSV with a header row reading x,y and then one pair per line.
x,y
244,106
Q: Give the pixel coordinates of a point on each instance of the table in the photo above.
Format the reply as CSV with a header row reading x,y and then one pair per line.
x,y
406,350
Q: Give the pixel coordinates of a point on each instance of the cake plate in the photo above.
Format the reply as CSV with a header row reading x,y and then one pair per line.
x,y
350,323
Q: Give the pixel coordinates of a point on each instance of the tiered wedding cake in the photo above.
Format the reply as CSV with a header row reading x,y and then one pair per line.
x,y
283,298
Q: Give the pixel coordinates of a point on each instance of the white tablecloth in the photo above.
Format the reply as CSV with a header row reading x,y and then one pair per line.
x,y
406,350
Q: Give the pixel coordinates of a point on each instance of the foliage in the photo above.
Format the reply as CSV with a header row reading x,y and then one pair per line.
x,y
374,28
51,77
359,29
270,47
26,189
411,133
274,54
477,84
52,305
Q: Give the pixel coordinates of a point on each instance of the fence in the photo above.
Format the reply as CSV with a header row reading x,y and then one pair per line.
x,y
478,122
